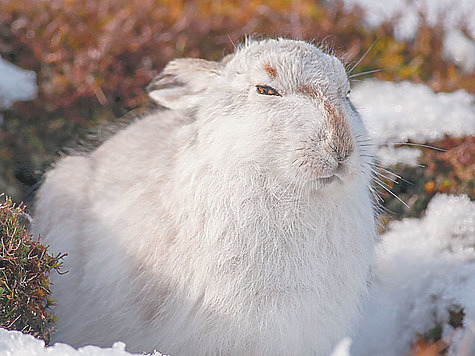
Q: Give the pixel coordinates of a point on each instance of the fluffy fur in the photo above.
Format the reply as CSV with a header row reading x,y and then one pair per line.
x,y
230,223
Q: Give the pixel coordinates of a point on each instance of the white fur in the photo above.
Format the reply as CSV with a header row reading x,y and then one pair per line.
x,y
206,231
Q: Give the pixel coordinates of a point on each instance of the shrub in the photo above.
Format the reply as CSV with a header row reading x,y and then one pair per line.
x,y
25,267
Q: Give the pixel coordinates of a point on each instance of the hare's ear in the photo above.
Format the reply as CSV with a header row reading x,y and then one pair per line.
x,y
177,86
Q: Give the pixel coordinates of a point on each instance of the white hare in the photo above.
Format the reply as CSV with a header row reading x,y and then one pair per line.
x,y
238,221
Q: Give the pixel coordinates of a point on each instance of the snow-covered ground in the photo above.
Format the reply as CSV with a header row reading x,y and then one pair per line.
x,y
14,343
398,112
425,269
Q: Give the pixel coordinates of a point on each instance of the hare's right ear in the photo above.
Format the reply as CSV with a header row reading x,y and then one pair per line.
x,y
177,86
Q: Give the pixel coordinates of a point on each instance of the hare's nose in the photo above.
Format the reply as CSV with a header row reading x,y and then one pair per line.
x,y
339,136
341,149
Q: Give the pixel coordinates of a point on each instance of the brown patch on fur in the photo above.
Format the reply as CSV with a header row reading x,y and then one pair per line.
x,y
309,91
332,114
271,71
341,137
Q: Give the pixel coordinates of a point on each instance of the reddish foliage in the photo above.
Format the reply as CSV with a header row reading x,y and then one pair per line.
x,y
454,169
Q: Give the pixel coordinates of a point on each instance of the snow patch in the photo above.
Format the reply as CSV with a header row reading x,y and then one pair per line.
x,y
16,84
343,348
407,111
390,156
425,269
14,343
399,112
459,49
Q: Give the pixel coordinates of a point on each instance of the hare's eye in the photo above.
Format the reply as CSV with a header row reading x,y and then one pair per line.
x,y
265,90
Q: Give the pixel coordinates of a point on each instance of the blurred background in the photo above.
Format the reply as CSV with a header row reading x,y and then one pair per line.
x,y
69,67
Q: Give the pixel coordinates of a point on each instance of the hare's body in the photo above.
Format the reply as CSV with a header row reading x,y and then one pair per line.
x,y
212,229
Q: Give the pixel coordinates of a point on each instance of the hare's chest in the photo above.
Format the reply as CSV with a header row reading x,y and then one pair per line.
x,y
273,288
295,307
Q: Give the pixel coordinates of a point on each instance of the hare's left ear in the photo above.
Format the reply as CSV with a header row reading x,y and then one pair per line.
x,y
177,85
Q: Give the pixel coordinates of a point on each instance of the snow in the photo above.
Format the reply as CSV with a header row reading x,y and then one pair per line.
x,y
425,268
14,343
16,84
459,49
407,111
390,156
398,112
343,347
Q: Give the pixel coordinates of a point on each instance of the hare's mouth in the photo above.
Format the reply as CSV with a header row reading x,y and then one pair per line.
x,y
338,175
327,180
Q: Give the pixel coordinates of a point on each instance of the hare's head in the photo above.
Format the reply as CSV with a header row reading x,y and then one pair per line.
x,y
281,106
